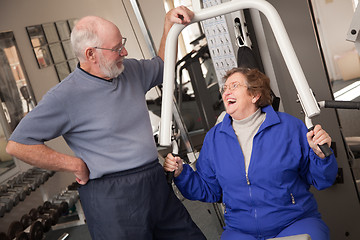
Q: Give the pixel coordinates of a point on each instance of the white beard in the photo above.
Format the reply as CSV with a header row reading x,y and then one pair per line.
x,y
110,69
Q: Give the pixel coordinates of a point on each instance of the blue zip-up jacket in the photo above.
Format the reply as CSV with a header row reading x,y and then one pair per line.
x,y
275,193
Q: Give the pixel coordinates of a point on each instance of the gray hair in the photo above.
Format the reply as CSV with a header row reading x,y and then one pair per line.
x,y
84,36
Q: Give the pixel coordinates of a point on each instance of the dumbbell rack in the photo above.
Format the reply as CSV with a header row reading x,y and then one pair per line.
x,y
71,196
50,191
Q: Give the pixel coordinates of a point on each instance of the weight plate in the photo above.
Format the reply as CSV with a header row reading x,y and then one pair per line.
x,y
26,221
46,222
47,205
36,231
64,207
22,236
14,228
34,214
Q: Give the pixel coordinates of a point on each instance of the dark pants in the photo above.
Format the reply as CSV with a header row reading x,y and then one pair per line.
x,y
136,204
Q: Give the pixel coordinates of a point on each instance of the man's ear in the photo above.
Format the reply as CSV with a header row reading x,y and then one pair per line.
x,y
90,54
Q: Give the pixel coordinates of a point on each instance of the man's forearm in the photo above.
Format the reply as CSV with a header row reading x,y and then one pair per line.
x,y
161,52
43,157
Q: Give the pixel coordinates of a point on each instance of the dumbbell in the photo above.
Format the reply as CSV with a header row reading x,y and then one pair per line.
x,y
7,202
74,186
62,207
73,193
3,188
18,182
5,191
22,178
28,187
14,228
15,197
13,185
44,174
2,210
33,232
41,177
26,220
70,197
51,213
17,191
36,213
41,170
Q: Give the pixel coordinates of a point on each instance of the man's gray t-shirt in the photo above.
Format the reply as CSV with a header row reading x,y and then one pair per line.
x,y
105,123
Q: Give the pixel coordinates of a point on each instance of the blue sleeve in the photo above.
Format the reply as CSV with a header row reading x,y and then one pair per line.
x,y
201,184
320,173
46,121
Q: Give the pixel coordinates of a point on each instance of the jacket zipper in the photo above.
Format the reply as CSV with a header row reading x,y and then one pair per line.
x,y
292,198
247,179
250,194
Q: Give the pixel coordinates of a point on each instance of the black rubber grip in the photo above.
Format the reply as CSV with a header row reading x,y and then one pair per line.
x,y
342,104
324,148
170,177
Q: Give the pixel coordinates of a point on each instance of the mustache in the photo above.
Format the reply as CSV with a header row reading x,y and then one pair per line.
x,y
120,60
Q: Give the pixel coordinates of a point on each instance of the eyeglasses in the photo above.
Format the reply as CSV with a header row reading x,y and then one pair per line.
x,y
231,87
114,50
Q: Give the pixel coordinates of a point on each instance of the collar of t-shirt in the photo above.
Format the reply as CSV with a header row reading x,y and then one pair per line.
x,y
108,80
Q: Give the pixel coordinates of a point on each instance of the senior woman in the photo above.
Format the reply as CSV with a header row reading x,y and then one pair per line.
x,y
260,164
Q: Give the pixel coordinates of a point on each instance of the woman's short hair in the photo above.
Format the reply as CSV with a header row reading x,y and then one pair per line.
x,y
257,82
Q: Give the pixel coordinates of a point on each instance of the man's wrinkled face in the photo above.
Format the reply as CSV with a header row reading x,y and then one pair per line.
x,y
111,68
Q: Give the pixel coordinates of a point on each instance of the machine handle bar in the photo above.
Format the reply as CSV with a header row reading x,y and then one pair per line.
x,y
340,104
324,148
175,153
